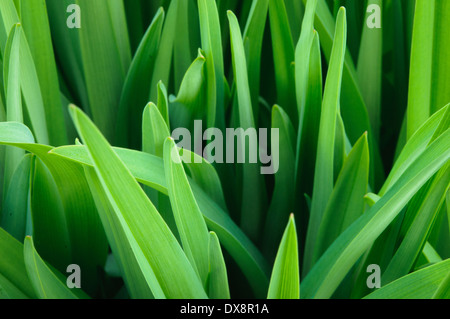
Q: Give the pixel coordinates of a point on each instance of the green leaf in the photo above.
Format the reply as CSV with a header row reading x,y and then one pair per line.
x,y
285,280
15,206
44,281
14,282
212,46
353,111
420,228
170,265
35,22
283,54
346,202
332,267
443,291
253,184
136,271
102,60
188,217
283,196
253,41
136,88
421,284
8,17
419,97
217,276
370,69
149,170
323,177
163,59
88,246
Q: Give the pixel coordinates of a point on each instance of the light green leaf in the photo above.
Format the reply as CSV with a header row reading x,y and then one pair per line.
x,y
421,284
170,265
44,281
14,282
285,280
188,217
217,277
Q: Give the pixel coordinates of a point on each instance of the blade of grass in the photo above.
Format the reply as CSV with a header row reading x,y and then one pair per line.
x,y
136,88
285,280
282,202
369,70
419,97
217,276
284,55
188,217
212,46
346,202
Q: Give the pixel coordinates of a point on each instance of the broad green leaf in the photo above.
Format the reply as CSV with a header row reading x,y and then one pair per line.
x,y
149,170
136,88
136,272
170,265
88,246
44,281
188,217
217,276
421,284
47,212
15,206
443,291
332,267
323,177
13,275
285,280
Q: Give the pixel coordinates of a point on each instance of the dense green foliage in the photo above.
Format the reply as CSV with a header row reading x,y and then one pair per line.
x,y
87,169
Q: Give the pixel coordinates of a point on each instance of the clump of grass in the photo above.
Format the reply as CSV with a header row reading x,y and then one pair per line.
x,y
363,118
